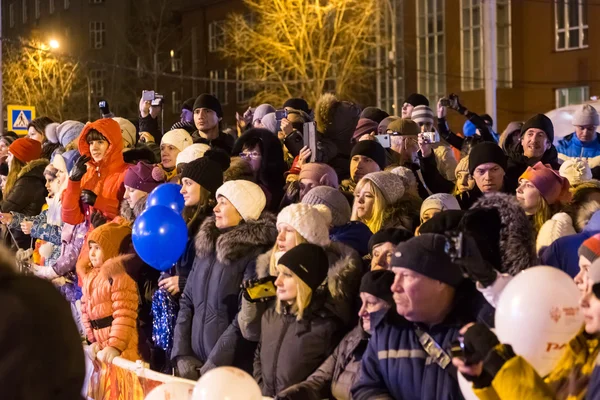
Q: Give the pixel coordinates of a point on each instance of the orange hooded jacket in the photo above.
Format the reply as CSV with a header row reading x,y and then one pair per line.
x,y
105,178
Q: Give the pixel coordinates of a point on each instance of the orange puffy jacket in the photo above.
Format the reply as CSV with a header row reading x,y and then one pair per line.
x,y
109,291
105,178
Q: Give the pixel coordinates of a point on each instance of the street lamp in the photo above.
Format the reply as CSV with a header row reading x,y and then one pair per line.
x,y
54,44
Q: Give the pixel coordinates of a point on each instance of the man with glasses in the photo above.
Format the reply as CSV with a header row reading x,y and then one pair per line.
x,y
584,142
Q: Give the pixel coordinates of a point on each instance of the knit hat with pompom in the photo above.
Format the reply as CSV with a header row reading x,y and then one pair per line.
x,y
311,222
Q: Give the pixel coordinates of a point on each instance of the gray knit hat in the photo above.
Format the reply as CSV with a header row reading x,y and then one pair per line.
x,y
68,131
334,200
389,184
586,115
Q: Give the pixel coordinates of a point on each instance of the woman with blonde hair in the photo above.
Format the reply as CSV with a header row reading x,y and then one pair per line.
x,y
299,323
377,203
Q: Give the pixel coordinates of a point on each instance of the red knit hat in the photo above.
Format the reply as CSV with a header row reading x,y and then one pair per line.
x,y
553,187
590,248
26,149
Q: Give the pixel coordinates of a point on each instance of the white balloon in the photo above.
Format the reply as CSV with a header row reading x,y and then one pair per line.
x,y
226,383
172,391
466,388
538,313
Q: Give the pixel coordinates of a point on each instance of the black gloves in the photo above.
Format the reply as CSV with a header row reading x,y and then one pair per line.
x,y
482,343
188,367
259,290
474,265
97,218
79,169
88,197
455,104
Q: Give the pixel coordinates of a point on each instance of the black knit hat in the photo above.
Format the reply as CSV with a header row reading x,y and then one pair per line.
x,y
426,255
209,101
487,119
442,222
207,171
417,99
374,114
379,284
309,262
297,104
539,121
391,235
371,149
188,104
486,152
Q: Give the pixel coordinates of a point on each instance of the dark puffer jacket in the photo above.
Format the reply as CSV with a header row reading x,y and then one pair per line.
x,y
290,350
27,196
206,324
336,376
223,141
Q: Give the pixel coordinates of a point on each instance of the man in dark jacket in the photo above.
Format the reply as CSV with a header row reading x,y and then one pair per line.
x,y
537,135
207,117
407,356
42,355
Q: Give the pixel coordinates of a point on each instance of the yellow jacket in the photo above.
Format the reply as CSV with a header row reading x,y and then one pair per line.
x,y
517,379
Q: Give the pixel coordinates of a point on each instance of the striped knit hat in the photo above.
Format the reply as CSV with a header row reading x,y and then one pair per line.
x,y
422,115
590,248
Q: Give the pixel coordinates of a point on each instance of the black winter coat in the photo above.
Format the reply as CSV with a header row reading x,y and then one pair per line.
x,y
223,141
206,324
518,163
27,196
290,350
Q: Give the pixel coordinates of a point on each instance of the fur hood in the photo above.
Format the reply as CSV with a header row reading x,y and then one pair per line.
x,y
584,213
34,168
517,245
130,214
247,239
343,276
404,213
337,120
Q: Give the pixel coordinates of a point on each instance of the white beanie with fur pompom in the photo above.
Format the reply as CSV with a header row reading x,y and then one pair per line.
x,y
311,222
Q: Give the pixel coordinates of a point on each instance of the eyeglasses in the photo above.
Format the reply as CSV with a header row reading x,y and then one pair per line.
x,y
253,155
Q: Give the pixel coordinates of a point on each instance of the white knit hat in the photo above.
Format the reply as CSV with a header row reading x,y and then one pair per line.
x,y
191,153
462,166
439,201
390,185
586,116
408,179
247,198
311,222
558,226
51,132
127,132
576,170
179,138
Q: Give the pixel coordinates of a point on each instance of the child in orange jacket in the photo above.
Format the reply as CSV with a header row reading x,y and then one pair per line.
x,y
109,306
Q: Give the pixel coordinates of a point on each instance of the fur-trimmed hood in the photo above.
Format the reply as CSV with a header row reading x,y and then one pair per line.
x,y
517,242
247,239
343,276
404,213
34,168
130,214
584,215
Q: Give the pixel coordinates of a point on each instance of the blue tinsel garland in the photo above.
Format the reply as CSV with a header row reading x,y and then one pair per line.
x,y
164,316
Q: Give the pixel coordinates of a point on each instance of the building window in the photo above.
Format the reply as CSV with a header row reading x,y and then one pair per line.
x,y
176,63
572,95
24,9
97,34
51,6
242,92
37,8
218,85
11,15
97,80
66,4
216,36
431,63
472,57
571,24
175,102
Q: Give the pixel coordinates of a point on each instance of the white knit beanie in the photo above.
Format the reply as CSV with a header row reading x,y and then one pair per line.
x,y
408,179
247,197
128,132
462,166
439,201
179,138
558,226
191,153
576,170
390,185
586,116
311,222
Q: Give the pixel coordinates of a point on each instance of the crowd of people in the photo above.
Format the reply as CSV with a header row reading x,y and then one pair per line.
x,y
344,274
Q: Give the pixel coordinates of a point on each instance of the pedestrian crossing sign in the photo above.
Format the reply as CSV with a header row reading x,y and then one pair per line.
x,y
19,118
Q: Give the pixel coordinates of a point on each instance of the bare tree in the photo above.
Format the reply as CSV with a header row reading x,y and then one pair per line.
x,y
35,76
302,47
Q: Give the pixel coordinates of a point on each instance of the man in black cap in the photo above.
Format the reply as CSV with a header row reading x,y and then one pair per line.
x,y
487,165
407,356
411,102
207,118
537,135
367,156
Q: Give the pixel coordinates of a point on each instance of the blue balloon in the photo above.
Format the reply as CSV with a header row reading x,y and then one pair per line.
x,y
159,237
166,195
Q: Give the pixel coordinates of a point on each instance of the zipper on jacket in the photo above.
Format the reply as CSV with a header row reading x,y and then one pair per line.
x,y
277,349
212,264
